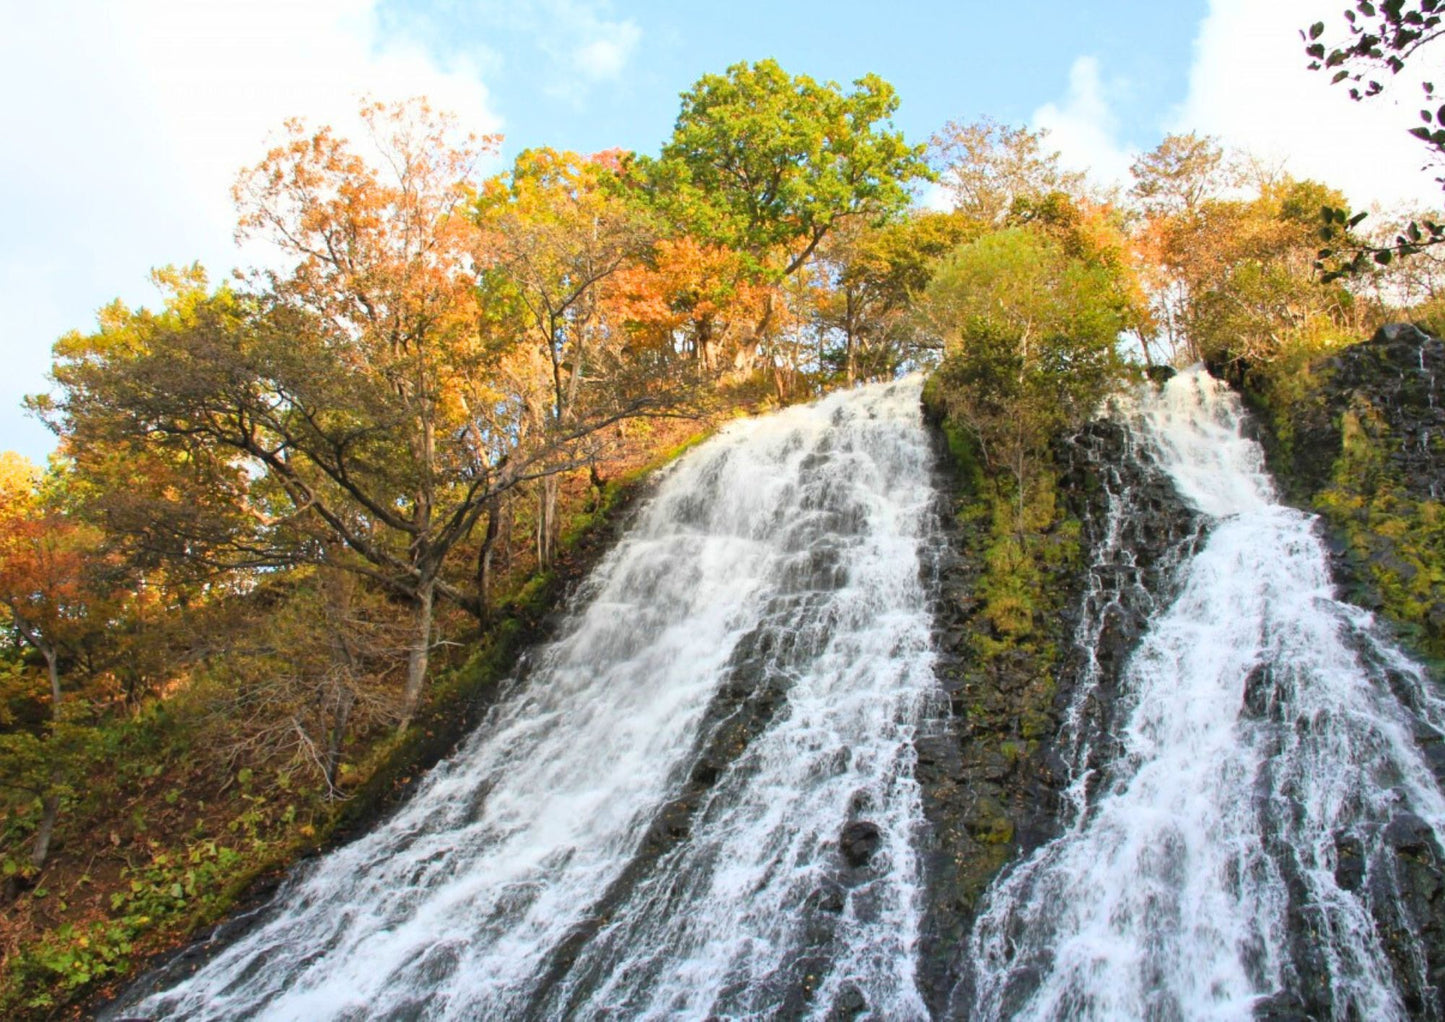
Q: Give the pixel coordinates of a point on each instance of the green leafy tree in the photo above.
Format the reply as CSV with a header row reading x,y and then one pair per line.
x,y
768,163
873,275
1030,343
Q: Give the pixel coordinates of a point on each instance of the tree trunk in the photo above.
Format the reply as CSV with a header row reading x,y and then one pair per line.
x,y
50,811
484,560
509,513
340,586
547,524
416,659
848,332
50,804
345,700
52,667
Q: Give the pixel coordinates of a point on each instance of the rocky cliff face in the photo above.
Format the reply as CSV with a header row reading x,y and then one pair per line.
x,y
994,770
1362,443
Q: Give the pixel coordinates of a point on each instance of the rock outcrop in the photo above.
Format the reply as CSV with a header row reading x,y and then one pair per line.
x,y
994,770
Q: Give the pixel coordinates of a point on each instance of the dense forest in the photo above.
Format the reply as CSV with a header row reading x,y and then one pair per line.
x,y
299,518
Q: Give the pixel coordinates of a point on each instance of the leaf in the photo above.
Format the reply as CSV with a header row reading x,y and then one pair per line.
x,y
1384,256
1317,30
1355,220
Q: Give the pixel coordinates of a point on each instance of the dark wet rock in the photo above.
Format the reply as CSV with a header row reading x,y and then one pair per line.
x,y
830,898
1361,441
1282,1007
1409,834
1349,863
859,842
1396,377
993,778
850,1004
1162,374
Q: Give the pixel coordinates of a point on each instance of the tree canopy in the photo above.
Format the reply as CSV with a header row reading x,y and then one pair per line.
x,y
768,163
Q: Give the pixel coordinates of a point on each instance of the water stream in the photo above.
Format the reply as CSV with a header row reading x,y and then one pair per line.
x,y
700,801
1237,856
651,826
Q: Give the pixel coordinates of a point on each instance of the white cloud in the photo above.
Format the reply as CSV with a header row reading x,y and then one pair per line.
x,y
606,55
583,43
1249,87
134,121
1084,128
935,196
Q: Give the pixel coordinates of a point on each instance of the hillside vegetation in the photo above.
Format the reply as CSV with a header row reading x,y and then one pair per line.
x,y
300,522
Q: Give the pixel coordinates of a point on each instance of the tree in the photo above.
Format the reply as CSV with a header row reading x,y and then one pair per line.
x,y
1253,292
308,655
1029,334
986,165
691,300
556,229
1376,38
768,163
874,273
344,396
1177,189
1180,174
57,599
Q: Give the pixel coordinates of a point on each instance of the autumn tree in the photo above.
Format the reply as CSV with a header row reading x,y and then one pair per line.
x,y
985,166
555,231
690,300
1258,298
347,399
56,598
873,275
1204,242
1180,174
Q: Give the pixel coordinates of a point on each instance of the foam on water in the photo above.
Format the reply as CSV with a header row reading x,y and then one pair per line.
x,y
791,543
1268,728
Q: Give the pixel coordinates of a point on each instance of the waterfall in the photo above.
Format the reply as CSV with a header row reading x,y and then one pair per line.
x,y
699,801
1240,853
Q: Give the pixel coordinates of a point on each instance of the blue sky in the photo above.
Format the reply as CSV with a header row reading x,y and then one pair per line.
x,y
946,60
125,124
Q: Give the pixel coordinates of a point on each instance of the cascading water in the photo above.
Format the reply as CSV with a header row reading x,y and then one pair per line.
x,y
701,799
1239,854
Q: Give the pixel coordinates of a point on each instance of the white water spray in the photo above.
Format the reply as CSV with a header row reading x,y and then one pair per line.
x,y
1267,739
793,538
